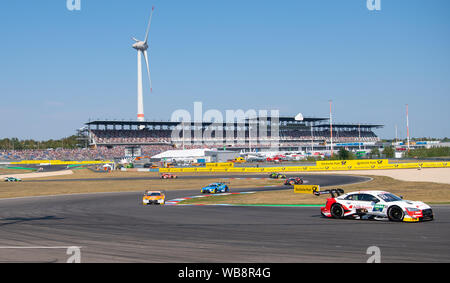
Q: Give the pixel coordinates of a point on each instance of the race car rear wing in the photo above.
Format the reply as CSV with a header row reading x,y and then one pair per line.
x,y
333,192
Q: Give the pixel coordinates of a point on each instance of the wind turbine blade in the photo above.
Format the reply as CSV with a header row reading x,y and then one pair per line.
x,y
148,70
134,38
149,25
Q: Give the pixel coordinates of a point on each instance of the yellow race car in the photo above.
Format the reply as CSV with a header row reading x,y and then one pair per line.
x,y
153,197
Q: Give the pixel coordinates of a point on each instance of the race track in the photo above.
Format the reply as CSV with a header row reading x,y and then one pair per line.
x,y
114,227
322,180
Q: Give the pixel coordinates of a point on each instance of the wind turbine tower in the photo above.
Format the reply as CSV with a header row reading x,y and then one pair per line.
x,y
141,47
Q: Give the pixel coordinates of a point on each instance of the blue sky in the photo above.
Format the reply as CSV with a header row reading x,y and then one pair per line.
x,y
58,68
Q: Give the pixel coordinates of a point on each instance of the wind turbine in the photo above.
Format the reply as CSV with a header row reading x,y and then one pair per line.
x,y
141,47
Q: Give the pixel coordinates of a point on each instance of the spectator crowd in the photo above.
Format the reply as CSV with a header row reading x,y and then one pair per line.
x,y
100,153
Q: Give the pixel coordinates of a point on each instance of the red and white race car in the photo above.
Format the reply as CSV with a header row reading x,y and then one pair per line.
x,y
276,158
293,181
168,176
376,205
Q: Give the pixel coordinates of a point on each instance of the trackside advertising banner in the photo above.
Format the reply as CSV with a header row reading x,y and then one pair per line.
x,y
220,165
338,163
332,166
255,170
306,189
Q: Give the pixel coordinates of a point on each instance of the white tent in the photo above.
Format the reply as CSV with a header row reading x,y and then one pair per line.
x,y
182,154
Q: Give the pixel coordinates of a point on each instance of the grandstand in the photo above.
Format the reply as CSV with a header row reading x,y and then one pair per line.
x,y
349,132
108,140
284,132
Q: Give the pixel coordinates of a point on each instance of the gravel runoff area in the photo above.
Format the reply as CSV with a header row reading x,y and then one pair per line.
x,y
433,175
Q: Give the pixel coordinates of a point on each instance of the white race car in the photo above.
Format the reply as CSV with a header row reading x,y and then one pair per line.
x,y
12,179
374,205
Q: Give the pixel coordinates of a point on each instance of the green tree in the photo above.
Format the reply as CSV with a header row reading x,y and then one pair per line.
x,y
389,152
375,152
429,152
345,154
16,144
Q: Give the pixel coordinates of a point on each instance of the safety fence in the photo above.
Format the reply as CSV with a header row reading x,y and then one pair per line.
x,y
334,165
346,165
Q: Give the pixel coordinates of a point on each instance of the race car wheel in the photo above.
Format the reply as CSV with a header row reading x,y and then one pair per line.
x,y
337,211
395,214
226,189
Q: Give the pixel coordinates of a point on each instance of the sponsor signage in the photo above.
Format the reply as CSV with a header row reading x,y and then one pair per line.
x,y
370,162
306,189
221,165
358,162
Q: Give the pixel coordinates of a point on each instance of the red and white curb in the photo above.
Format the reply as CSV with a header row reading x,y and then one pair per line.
x,y
178,200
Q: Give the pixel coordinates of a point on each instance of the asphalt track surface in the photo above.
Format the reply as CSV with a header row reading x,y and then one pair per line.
x,y
322,180
114,227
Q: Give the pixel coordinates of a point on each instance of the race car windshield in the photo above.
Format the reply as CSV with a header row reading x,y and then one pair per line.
x,y
389,197
153,194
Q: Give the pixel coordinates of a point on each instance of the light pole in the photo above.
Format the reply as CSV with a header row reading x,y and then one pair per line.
x,y
396,135
331,128
407,126
359,133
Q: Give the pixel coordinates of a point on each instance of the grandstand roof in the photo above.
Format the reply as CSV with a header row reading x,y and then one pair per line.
x,y
319,123
131,123
173,124
292,119
342,126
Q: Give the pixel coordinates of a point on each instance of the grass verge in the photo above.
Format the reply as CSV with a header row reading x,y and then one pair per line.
x,y
25,189
6,171
83,173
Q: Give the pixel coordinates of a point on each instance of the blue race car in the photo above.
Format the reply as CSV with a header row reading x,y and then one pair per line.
x,y
215,188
